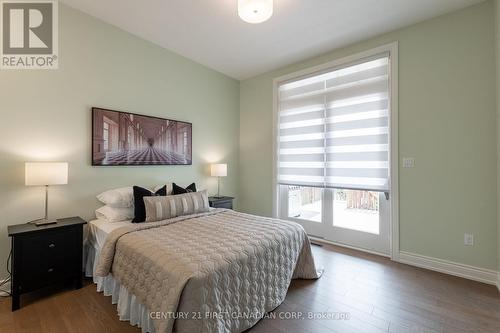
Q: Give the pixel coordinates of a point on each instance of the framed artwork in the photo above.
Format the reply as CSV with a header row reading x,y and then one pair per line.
x,y
123,138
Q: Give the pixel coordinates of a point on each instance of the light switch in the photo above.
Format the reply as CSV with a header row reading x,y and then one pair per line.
x,y
408,162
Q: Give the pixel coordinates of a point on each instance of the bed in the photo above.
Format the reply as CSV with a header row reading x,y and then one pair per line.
x,y
218,271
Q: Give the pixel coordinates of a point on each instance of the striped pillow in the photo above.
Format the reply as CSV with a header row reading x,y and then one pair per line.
x,y
160,208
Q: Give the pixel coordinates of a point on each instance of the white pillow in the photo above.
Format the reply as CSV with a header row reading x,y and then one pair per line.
x,y
118,198
112,214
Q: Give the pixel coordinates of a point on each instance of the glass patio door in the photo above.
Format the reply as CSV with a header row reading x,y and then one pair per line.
x,y
334,150
354,218
360,219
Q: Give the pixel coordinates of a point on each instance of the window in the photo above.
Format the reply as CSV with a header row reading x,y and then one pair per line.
x,y
304,203
334,128
356,210
130,138
185,140
105,136
333,145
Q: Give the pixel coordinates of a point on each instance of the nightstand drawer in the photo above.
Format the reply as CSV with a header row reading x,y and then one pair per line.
x,y
46,273
221,202
49,245
224,204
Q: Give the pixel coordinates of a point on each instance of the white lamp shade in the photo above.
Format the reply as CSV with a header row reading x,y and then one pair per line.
x,y
255,11
218,170
46,173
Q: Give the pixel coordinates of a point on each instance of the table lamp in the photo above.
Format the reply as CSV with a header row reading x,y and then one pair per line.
x,y
46,174
218,170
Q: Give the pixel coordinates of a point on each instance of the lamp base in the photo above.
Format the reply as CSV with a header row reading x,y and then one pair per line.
x,y
41,222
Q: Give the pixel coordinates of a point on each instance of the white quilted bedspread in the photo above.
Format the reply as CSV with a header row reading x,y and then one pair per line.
x,y
221,270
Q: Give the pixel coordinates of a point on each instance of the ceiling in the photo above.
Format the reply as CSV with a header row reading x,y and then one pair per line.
x,y
211,33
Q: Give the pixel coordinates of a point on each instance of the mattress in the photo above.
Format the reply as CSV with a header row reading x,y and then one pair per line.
x,y
99,229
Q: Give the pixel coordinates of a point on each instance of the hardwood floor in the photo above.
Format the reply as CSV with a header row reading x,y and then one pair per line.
x,y
376,294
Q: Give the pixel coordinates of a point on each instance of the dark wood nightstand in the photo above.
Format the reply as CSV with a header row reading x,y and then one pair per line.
x,y
221,202
45,255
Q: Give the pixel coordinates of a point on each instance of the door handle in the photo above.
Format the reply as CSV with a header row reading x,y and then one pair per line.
x,y
386,195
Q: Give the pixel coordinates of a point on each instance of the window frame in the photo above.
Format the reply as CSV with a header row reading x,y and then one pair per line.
x,y
392,49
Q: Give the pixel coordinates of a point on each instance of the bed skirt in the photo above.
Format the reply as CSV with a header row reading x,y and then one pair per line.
x,y
128,308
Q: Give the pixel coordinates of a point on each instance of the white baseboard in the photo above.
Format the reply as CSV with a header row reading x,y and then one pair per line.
x,y
452,268
434,264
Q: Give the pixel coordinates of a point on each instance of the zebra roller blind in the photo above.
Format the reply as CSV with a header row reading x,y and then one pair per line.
x,y
334,128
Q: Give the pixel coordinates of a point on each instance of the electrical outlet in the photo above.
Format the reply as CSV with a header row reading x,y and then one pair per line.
x,y
469,239
408,162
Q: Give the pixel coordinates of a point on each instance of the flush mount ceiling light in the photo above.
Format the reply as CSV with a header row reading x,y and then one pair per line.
x,y
255,11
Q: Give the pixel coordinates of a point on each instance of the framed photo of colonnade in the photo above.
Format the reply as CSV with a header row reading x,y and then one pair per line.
x,y
123,138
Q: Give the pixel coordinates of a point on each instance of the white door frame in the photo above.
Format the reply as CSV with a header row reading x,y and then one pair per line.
x,y
392,49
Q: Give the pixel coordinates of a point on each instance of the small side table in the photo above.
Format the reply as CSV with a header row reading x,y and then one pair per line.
x,y
221,202
45,255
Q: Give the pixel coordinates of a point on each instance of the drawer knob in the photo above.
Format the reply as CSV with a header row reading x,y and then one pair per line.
x,y
52,245
50,270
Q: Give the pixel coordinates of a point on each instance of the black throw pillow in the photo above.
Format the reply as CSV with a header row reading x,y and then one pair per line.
x,y
139,207
176,189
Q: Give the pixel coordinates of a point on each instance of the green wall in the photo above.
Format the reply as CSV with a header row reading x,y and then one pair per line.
x,y
447,121
45,115
497,91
